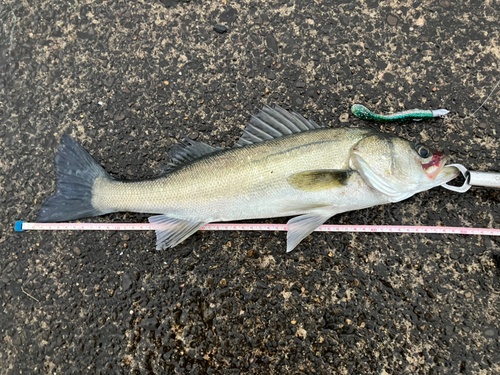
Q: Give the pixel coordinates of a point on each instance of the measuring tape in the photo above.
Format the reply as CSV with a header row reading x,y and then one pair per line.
x,y
22,226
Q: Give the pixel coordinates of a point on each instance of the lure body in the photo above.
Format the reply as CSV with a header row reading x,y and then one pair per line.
x,y
364,113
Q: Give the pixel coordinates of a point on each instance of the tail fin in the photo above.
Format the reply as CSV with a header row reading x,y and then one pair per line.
x,y
76,172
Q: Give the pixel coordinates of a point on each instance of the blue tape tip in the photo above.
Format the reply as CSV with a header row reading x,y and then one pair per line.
x,y
19,226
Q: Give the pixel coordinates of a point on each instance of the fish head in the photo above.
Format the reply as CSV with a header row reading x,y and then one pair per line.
x,y
399,168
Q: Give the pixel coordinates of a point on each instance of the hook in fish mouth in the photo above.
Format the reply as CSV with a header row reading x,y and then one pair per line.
x,y
434,167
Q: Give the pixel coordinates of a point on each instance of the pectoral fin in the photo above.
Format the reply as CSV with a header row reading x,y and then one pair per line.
x,y
301,226
170,232
323,179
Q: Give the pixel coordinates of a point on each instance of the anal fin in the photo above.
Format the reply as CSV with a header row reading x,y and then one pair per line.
x,y
301,226
170,232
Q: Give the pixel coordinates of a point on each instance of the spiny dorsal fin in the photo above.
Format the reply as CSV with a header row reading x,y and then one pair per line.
x,y
323,179
272,123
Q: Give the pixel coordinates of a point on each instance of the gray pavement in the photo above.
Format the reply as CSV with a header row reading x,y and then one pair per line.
x,y
128,79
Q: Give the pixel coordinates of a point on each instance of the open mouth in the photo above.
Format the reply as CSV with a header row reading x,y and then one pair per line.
x,y
435,166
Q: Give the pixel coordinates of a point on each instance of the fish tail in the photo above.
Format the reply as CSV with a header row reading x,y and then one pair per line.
x,y
76,172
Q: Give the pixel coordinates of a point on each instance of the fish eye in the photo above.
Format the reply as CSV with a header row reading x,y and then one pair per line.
x,y
422,151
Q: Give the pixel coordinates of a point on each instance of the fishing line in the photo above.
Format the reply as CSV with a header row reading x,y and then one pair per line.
x,y
22,226
481,106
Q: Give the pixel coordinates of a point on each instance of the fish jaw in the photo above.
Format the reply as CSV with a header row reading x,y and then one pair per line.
x,y
435,166
446,173
437,171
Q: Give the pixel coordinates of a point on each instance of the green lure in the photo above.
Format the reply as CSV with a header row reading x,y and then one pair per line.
x,y
364,113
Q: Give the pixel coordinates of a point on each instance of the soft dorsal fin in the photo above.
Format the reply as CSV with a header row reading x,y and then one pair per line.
x,y
272,123
185,152
323,179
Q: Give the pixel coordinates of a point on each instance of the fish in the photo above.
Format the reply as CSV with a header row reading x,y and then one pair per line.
x,y
283,165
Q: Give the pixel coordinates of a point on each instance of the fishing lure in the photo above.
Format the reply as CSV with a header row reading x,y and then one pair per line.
x,y
364,113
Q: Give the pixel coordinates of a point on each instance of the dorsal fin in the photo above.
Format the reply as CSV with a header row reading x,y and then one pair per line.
x,y
272,123
190,150
185,152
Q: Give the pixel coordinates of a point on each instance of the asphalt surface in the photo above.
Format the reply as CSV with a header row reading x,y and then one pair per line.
x,y
128,79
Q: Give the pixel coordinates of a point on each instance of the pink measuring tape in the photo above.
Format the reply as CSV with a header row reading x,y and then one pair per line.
x,y
22,226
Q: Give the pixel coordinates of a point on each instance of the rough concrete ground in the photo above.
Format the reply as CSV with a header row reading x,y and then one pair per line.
x,y
127,79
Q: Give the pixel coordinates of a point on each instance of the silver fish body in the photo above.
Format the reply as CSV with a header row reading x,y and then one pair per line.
x,y
283,165
246,182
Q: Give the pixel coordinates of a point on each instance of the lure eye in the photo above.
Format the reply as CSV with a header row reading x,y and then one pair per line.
x,y
422,151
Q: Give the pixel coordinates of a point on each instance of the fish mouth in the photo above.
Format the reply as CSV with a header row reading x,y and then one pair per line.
x,y
435,166
438,171
447,174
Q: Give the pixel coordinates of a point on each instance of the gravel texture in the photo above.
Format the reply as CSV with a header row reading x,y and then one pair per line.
x,y
128,79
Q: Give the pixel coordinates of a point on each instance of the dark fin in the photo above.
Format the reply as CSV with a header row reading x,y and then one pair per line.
x,y
301,226
274,123
318,180
76,172
186,152
170,232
